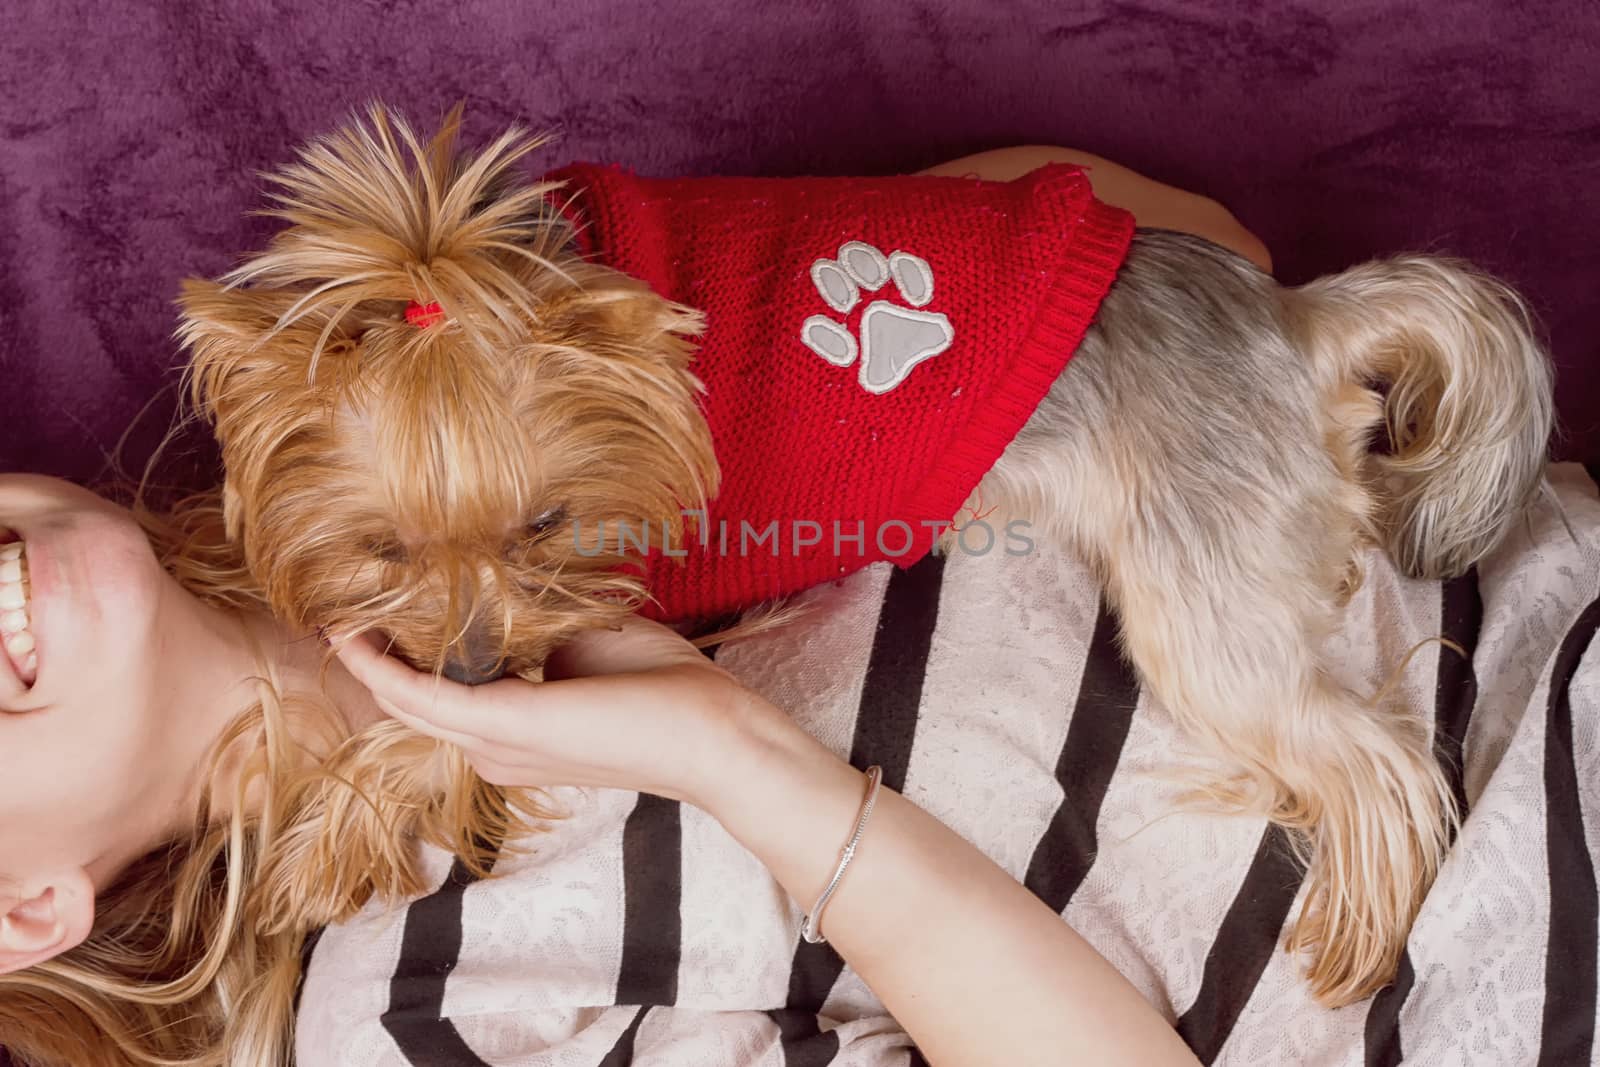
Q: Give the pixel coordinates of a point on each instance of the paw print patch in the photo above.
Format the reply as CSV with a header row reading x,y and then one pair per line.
x,y
894,338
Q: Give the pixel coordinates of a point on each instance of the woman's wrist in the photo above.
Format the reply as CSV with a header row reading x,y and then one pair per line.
x,y
744,739
780,793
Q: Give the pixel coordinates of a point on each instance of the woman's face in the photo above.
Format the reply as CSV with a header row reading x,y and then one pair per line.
x,y
86,686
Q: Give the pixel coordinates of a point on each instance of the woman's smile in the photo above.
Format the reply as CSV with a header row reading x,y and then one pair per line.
x,y
16,633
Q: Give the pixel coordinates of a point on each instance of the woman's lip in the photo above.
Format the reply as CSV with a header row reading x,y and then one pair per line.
x,y
18,666
10,674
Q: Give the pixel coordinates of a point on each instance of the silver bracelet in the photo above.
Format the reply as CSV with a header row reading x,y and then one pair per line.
x,y
812,930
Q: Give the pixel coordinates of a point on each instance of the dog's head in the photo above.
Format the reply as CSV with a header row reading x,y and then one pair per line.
x,y
430,408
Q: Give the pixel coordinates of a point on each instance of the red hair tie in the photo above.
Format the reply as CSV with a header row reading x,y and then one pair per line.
x,y
424,315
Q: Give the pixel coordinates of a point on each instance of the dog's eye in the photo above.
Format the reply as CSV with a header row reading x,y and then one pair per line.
x,y
385,548
545,523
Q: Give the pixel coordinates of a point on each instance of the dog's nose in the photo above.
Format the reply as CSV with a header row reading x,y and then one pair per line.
x,y
476,657
469,673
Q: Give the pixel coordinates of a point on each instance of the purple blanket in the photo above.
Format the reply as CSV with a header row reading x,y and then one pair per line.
x,y
131,132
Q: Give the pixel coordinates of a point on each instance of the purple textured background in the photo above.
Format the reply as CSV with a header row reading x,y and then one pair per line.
x,y
130,134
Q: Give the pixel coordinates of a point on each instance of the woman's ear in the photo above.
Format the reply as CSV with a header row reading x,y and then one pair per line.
x,y
45,918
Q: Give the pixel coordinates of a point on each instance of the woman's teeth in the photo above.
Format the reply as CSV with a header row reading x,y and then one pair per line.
x,y
14,633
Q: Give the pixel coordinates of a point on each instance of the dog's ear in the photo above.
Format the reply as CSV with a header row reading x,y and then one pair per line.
x,y
220,317
630,317
233,333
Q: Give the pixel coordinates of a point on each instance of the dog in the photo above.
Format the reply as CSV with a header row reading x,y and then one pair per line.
x,y
430,402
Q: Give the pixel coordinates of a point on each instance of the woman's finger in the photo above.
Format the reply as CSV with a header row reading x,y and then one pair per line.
x,y
444,704
469,743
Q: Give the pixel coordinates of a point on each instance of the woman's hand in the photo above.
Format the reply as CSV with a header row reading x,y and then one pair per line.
x,y
975,967
636,708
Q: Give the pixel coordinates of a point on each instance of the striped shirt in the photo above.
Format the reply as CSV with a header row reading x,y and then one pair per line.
x,y
991,691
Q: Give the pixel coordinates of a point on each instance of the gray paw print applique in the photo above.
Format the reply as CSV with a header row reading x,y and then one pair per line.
x,y
894,337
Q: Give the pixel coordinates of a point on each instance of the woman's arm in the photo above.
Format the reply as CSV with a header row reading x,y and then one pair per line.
x,y
976,968
1152,204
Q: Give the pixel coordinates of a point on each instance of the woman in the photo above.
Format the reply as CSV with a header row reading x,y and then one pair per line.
x,y
122,767
188,789
169,751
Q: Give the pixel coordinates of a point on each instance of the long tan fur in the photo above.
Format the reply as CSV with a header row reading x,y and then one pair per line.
x,y
1468,407
427,481
1209,449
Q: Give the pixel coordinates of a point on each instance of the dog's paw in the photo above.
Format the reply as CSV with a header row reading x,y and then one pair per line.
x,y
894,339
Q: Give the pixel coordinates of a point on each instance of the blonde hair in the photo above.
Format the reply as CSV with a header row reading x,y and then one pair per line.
x,y
195,955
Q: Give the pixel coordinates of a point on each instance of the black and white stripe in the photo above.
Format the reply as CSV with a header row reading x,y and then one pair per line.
x,y
1515,727
1570,980
430,950
1568,1023
621,1054
652,935
652,873
1456,694
885,732
1102,715
1245,943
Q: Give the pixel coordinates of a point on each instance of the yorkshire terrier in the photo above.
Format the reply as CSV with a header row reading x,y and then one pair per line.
x,y
445,396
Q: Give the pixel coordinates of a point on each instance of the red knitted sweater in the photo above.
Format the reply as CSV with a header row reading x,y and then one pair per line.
x,y
872,346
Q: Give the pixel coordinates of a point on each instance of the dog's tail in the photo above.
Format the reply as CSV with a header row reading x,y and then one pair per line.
x,y
1447,359
1374,817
